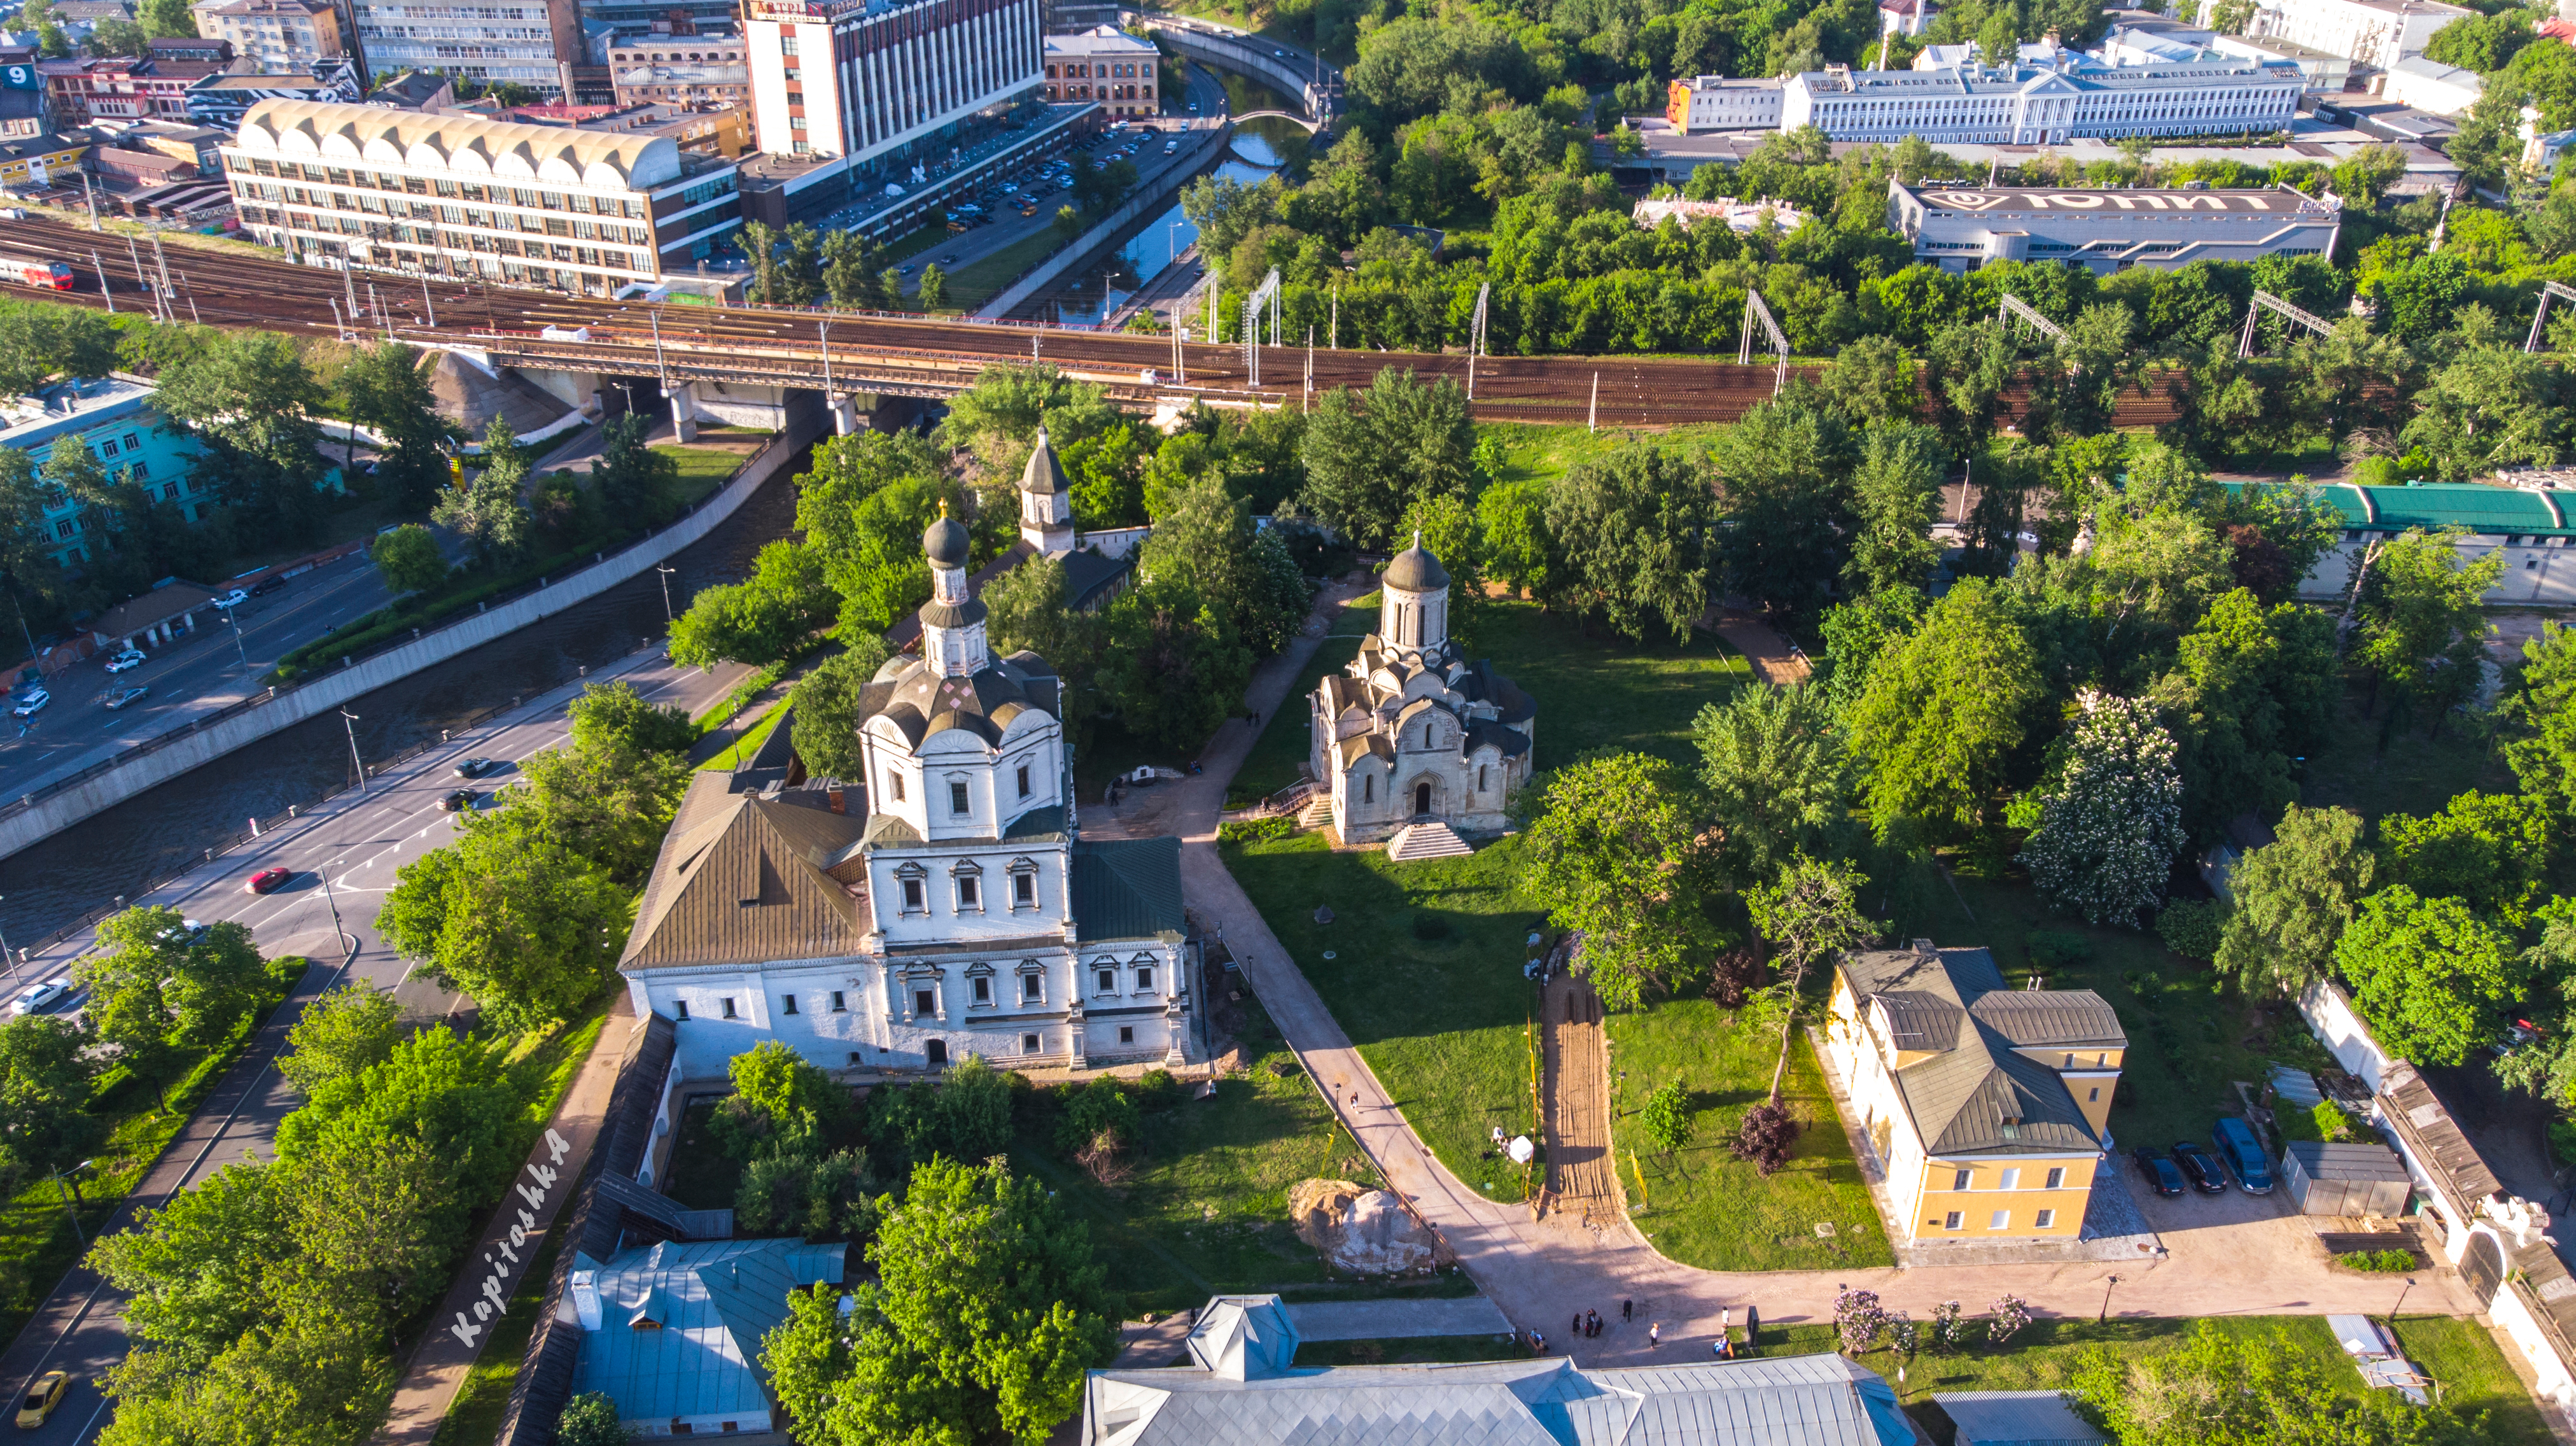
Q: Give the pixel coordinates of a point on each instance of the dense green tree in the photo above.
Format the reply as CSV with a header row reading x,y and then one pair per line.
x,y
872,555
1776,778
1855,634
1172,666
1204,541
2539,714
997,419
764,619
2432,978
590,1419
781,1105
526,926
2294,898
608,805
1810,914
2251,689
985,1313
1944,709
409,558
385,387
1872,380
154,989
2109,819
46,1124
1511,521
1785,471
636,485
2488,408
193,1269
1667,1117
491,510
2422,627
340,1034
2488,850
449,1094
250,401
1633,534
613,717
1896,497
1370,455
825,730
2226,1388
1616,852
851,260
170,18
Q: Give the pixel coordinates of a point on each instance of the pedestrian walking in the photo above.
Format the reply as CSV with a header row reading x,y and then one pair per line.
x,y
1627,1310
1654,1335
1578,1322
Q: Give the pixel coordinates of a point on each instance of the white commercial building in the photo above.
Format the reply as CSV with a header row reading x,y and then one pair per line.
x,y
2027,105
2429,85
1716,103
527,43
1105,64
579,210
2104,231
2374,32
863,78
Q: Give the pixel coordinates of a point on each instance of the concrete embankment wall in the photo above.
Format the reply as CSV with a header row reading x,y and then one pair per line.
x,y
1209,148
59,811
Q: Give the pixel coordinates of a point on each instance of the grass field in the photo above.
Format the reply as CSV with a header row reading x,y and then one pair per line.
x,y
977,282
702,469
1703,1206
1276,756
1535,452
2458,1353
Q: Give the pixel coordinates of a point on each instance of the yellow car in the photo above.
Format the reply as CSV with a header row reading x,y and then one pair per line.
x,y
42,1398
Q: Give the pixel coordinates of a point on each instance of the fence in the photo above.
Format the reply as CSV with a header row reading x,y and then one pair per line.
x,y
114,779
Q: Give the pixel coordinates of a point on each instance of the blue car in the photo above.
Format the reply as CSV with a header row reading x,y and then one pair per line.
x,y
2244,1155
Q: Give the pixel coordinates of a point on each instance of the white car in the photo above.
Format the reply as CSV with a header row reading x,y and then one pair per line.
x,y
37,996
233,599
130,658
32,702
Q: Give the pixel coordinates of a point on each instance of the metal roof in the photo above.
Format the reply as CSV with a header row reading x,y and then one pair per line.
x,y
680,1325
741,879
2321,1161
2436,505
2033,1018
1819,1400
2016,1418
1127,888
1975,1094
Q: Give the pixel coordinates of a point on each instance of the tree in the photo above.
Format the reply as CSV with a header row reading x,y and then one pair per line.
x,y
527,927
2110,822
193,1270
2539,714
384,387
590,1419
1872,380
986,1313
1633,538
409,558
780,1106
1616,854
1896,497
636,485
168,19
113,37
850,264
1205,541
1944,709
155,990
766,619
491,509
934,288
2294,898
249,400
2422,626
1369,456
614,718
2488,408
1173,667
2431,977
446,1093
826,703
1667,1117
1811,915
45,1082
2251,689
2488,850
2230,1389
1776,777
340,1034
1785,471
608,805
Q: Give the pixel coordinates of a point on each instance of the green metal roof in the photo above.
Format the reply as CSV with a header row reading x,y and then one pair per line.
x,y
2436,505
1127,888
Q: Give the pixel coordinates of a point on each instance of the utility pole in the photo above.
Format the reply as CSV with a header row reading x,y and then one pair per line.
x,y
91,196
349,720
428,303
191,289
1592,416
96,265
669,618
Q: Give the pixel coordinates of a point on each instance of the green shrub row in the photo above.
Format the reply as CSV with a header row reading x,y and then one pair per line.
x,y
2379,1262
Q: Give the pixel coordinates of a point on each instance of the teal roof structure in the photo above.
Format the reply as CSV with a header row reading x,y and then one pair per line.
x,y
2433,506
1127,888
680,1324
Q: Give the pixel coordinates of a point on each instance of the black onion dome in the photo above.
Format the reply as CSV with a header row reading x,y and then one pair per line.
x,y
944,543
1415,570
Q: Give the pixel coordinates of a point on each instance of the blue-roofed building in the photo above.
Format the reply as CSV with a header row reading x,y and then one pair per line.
x,y
1240,1389
114,418
671,1333
2534,527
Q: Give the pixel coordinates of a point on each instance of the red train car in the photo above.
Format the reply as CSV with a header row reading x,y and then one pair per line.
x,y
36,271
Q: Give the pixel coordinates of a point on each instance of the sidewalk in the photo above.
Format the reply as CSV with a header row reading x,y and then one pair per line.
x,y
552,1175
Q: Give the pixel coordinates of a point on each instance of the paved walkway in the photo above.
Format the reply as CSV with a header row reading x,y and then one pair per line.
x,y
463,1321
1540,1272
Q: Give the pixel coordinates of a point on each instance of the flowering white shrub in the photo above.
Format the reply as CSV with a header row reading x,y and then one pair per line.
x,y
2111,823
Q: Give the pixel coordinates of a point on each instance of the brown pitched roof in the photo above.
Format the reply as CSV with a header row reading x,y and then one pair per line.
x,y
747,879
160,604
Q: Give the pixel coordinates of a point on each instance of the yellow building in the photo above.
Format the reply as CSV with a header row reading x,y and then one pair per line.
x,y
1988,1106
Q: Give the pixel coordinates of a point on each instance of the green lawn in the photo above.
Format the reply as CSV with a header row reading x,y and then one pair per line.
x,y
977,282
1442,1022
738,752
1533,451
1703,1206
1278,755
701,1177
702,469
2457,1353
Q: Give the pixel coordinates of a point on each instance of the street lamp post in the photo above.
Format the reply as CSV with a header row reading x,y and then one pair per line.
x,y
2106,1300
337,932
232,615
2401,1302
668,617
349,720
72,1202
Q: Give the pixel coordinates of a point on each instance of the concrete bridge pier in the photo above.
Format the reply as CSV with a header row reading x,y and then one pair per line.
x,y
845,413
684,410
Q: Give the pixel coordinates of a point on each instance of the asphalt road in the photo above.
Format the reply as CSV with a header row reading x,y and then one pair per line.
x,y
357,841
196,675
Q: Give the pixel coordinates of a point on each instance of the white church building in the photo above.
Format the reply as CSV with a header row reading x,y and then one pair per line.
x,y
1413,743
941,905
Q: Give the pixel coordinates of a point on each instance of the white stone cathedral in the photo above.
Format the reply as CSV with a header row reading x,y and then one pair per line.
x,y
1411,732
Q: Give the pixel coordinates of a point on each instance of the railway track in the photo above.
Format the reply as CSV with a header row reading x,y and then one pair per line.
x,y
904,355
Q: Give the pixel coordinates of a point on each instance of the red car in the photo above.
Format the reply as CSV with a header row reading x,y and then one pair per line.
x,y
267,879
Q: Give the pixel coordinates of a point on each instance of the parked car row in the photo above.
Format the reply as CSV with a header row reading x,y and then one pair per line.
x,y
2238,1153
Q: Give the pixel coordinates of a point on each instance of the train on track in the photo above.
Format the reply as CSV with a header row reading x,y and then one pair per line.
x,y
38,271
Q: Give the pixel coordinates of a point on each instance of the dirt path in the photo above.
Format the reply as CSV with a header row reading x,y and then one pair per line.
x,y
1582,1168
1775,659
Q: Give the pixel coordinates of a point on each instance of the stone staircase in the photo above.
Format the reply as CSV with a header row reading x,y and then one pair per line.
x,y
1317,812
1426,841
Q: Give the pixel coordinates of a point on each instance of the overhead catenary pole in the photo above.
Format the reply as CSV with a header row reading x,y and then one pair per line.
x,y
1476,337
1592,415
2548,289
427,303
1333,334
191,288
2266,301
1304,396
162,259
96,265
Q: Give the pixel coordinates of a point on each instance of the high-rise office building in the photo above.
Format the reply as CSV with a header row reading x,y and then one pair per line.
x,y
862,79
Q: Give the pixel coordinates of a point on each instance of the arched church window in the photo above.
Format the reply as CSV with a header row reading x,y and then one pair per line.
x,y
1368,788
